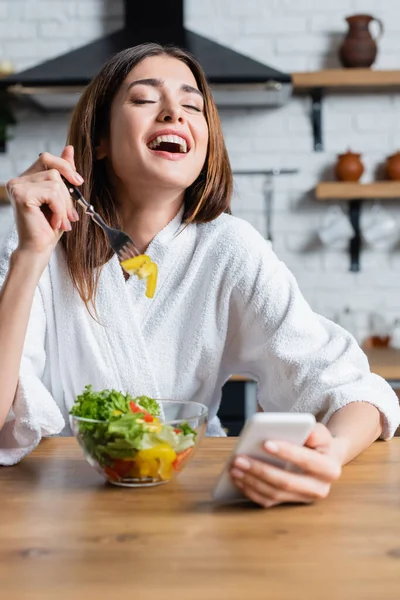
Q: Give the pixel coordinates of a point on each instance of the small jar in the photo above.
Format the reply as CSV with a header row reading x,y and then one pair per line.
x,y
349,166
392,167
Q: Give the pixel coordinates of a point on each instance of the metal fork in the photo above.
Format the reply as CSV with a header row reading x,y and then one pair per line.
x,y
121,243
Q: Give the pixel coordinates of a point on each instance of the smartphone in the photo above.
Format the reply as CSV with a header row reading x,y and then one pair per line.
x,y
288,427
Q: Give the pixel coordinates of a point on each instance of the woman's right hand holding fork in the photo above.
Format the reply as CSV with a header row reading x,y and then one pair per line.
x,y
43,208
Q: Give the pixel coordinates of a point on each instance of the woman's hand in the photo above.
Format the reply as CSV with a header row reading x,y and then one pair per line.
x,y
319,460
42,206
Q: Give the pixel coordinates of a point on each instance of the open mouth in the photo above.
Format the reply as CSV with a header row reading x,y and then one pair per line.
x,y
169,143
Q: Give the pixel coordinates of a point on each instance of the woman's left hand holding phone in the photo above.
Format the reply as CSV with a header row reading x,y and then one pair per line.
x,y
318,465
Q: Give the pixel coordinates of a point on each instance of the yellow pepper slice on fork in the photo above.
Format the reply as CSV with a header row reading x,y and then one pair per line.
x,y
144,268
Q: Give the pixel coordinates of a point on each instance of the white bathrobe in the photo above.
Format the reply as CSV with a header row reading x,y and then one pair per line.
x,y
224,304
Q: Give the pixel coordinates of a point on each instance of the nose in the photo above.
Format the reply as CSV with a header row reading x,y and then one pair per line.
x,y
171,113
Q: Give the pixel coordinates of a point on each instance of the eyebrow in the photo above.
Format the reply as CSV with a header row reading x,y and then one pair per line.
x,y
158,83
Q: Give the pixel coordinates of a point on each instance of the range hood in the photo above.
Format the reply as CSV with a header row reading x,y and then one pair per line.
x,y
236,80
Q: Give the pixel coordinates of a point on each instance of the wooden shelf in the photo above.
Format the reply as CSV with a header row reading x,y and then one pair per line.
x,y
316,82
342,190
3,195
346,78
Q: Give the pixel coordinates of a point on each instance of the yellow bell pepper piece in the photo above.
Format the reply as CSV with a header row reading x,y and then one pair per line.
x,y
156,461
144,268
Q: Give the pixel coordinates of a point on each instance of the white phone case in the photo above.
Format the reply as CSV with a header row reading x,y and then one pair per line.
x,y
288,427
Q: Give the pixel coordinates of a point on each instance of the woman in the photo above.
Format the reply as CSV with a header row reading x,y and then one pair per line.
x,y
224,303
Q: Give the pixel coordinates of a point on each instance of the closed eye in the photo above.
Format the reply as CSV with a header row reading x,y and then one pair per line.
x,y
191,106
143,101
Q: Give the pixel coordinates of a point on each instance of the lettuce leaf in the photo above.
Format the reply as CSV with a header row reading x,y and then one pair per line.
x,y
148,404
100,405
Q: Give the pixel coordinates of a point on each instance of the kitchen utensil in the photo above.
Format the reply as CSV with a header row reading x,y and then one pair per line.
x,y
268,189
378,228
336,230
120,242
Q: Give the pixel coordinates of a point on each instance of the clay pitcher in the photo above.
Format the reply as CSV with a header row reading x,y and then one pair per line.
x,y
393,167
349,166
359,48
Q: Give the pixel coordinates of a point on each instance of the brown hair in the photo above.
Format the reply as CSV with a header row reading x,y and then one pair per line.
x,y
85,246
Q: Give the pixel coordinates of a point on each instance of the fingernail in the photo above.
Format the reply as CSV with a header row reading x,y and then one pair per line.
x,y
74,215
237,473
78,178
67,225
58,224
269,503
242,463
271,447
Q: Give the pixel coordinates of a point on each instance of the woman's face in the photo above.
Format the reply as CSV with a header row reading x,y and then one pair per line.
x,y
158,131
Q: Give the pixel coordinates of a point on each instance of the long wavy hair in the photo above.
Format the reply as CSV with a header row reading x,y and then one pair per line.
x,y
205,199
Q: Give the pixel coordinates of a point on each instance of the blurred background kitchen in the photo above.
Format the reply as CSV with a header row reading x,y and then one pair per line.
x,y
342,244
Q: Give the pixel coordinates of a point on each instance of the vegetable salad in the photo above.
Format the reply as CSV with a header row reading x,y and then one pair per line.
x,y
130,441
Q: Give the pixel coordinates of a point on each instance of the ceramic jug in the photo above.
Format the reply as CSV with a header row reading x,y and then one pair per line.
x,y
349,166
393,167
359,48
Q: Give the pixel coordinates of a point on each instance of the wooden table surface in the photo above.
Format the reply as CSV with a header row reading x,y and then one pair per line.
x,y
67,535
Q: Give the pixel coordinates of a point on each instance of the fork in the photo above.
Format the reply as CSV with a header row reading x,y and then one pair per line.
x,y
120,242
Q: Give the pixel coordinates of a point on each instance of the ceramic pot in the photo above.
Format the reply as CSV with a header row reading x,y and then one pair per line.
x,y
359,48
349,167
393,167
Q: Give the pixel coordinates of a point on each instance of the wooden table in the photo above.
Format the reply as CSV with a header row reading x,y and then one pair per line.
x,y
66,535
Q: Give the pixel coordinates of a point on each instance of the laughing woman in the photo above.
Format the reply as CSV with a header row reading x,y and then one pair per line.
x,y
146,147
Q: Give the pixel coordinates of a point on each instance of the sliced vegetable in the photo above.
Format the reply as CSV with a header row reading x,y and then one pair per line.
x,y
135,408
157,459
122,467
181,458
144,268
111,474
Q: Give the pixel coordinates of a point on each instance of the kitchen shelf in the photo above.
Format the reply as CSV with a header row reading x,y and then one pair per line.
x,y
354,193
346,78
3,195
315,82
343,190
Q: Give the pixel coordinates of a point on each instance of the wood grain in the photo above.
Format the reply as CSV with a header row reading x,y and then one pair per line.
x,y
346,78
67,535
340,190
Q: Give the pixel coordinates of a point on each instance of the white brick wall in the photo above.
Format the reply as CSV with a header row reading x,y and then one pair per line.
x,y
291,35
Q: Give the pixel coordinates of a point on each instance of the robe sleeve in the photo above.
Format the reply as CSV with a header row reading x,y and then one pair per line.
x,y
34,412
302,361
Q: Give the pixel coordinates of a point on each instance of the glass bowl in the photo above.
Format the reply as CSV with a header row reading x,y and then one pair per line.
x,y
113,456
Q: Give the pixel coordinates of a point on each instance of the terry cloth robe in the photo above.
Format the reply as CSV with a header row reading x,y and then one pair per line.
x,y
224,304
